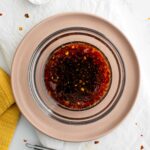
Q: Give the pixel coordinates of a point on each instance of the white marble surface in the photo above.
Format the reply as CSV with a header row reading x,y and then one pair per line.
x,y
130,16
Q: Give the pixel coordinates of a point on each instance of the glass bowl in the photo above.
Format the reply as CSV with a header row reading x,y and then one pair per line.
x,y
36,75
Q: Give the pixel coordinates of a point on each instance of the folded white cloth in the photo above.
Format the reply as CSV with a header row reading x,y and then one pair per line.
x,y
134,131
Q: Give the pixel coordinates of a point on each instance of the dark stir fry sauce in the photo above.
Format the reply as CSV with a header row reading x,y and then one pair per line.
x,y
77,75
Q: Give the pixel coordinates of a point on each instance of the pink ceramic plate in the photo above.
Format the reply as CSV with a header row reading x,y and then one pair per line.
x,y
29,88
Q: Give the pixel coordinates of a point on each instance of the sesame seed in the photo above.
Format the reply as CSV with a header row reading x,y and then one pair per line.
x,y
66,53
82,89
78,103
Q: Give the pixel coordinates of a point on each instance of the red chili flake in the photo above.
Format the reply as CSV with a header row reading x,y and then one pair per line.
x,y
26,15
142,147
25,140
96,142
20,28
1,14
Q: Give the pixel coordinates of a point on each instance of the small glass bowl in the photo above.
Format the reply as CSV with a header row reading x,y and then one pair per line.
x,y
36,75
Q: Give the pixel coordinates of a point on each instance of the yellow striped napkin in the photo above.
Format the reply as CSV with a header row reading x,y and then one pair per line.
x,y
9,113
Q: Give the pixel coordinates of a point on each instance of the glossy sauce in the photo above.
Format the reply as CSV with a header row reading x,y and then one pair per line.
x,y
77,75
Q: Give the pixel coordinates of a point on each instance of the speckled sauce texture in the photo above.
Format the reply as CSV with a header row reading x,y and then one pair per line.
x,y
77,75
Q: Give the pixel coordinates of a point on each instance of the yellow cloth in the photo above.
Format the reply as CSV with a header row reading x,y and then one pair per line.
x,y
9,113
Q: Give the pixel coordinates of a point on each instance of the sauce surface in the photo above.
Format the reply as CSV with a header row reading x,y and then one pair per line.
x,y
77,75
